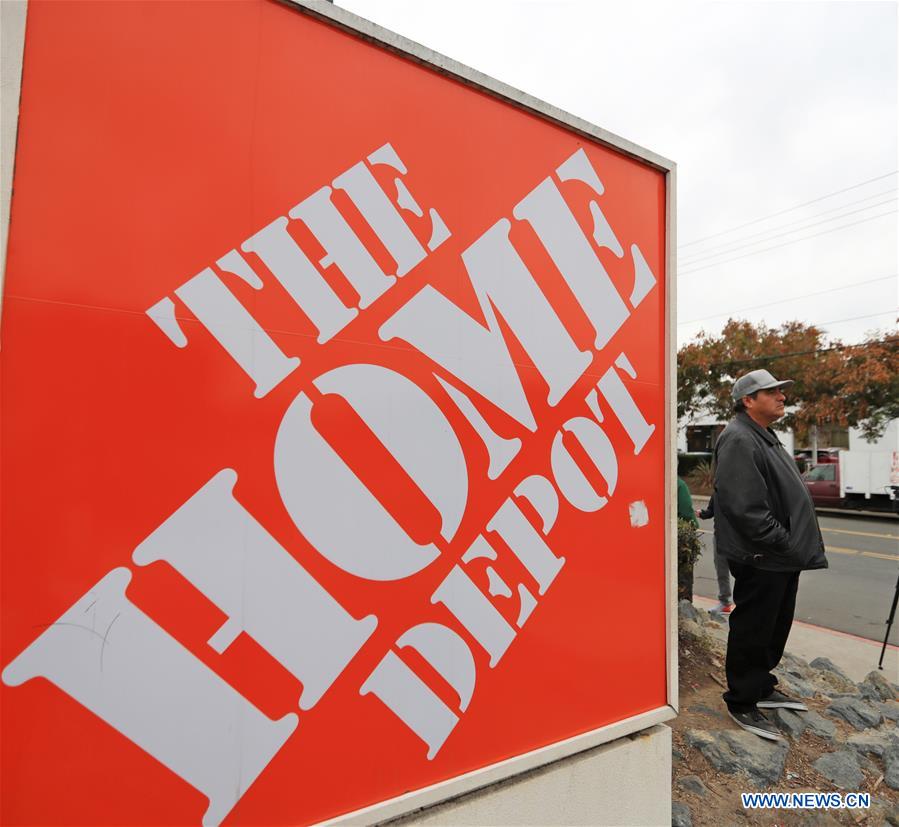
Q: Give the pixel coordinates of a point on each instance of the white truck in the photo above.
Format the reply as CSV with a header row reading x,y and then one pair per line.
x,y
865,476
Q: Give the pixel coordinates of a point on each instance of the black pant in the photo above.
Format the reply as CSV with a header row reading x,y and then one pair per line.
x,y
759,627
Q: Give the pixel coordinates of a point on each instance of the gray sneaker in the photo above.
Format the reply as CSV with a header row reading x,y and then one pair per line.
x,y
756,723
777,700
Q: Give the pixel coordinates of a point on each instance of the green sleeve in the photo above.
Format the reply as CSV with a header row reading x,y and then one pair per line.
x,y
685,503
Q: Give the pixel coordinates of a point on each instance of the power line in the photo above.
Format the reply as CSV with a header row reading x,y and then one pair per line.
x,y
785,243
792,298
790,209
806,218
788,232
729,249
855,318
775,357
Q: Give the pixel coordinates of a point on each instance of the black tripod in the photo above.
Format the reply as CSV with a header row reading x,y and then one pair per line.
x,y
889,623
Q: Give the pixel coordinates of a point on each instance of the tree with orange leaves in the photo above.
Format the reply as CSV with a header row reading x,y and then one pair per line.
x,y
849,385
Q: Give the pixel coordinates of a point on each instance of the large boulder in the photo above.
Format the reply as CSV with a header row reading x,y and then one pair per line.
x,y
891,768
869,743
883,813
693,784
794,664
710,711
828,665
687,611
827,674
680,815
793,685
819,725
855,712
889,710
876,687
789,722
691,628
841,769
762,761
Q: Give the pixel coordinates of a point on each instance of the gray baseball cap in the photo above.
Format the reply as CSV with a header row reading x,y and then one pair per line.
x,y
757,380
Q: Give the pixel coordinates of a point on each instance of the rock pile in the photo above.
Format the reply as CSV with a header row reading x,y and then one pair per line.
x,y
857,724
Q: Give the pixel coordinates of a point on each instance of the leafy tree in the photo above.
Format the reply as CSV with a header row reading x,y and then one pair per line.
x,y
869,392
848,385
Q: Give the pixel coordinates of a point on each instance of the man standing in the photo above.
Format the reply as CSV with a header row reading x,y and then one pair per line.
x,y
765,525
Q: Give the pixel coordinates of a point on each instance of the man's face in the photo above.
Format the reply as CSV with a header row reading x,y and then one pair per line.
x,y
767,407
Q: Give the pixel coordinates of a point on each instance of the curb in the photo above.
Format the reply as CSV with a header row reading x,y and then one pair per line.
x,y
699,600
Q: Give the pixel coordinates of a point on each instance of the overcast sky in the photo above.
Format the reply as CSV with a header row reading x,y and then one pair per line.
x,y
764,106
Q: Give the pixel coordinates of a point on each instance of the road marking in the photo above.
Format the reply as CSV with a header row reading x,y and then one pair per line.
x,y
861,533
850,551
836,531
881,556
839,550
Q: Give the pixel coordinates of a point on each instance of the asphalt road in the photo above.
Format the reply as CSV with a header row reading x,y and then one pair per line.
x,y
853,595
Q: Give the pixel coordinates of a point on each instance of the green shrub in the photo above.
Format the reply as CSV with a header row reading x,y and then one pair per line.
x,y
688,550
687,462
702,479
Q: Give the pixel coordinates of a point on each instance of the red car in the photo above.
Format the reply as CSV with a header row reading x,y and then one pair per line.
x,y
823,483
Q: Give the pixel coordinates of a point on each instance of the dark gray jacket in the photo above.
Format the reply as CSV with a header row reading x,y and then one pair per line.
x,y
764,515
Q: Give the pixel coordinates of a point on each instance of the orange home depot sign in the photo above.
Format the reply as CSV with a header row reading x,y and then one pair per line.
x,y
335,411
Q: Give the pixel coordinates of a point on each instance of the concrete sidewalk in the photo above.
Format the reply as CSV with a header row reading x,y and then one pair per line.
x,y
856,656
